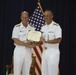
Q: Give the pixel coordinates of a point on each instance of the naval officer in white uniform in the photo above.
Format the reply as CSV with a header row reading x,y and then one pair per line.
x,y
22,51
52,35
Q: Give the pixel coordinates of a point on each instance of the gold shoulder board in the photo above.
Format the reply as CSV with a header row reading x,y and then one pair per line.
x,y
31,25
56,24
17,25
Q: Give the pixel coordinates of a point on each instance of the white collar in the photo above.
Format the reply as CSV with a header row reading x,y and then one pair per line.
x,y
22,26
50,25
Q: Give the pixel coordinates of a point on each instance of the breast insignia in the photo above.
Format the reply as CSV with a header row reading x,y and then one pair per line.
x,y
17,25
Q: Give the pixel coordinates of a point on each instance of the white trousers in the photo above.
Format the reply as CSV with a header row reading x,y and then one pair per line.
x,y
50,62
22,61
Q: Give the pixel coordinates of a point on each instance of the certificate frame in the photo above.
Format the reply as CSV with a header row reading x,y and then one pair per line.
x,y
34,35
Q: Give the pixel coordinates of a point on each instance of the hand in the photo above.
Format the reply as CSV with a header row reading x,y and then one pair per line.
x,y
42,39
30,41
30,45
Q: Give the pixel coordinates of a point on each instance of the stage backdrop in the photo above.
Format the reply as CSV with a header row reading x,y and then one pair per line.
x,y
64,14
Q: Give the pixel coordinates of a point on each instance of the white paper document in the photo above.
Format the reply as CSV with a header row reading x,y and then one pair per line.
x,y
34,35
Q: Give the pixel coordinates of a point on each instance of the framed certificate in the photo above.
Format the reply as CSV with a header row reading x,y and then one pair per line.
x,y
34,35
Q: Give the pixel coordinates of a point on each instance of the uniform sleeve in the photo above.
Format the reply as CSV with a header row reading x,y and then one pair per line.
x,y
58,32
15,32
41,29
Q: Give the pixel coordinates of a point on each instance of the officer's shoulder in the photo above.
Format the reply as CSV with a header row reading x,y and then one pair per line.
x,y
56,24
17,25
32,26
44,25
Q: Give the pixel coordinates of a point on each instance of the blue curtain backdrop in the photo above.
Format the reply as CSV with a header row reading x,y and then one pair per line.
x,y
64,14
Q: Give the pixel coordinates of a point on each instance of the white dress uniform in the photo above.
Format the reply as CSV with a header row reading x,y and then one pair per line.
x,y
51,53
22,54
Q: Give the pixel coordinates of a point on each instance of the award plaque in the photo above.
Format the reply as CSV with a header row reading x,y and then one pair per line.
x,y
34,35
